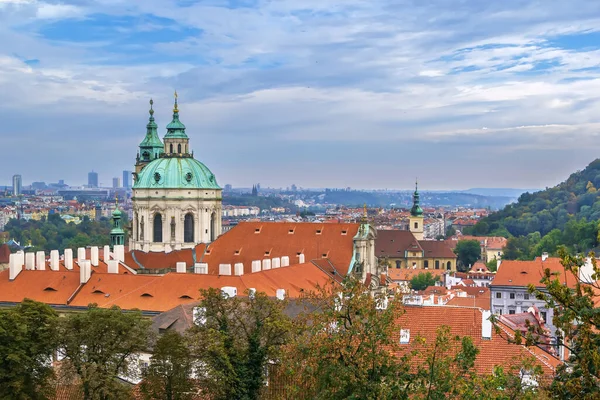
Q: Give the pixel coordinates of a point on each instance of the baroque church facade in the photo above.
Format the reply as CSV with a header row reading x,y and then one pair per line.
x,y
177,202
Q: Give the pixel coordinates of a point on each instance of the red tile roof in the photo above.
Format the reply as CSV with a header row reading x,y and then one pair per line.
x,y
51,287
437,249
524,273
394,243
406,274
466,321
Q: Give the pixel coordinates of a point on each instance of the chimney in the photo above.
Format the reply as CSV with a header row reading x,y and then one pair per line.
x,y
285,261
15,266
201,268
85,271
266,264
486,324
120,252
54,260
181,267
238,269
69,259
280,294
106,254
276,262
224,269
256,266
29,261
94,256
301,259
113,266
544,256
80,254
40,261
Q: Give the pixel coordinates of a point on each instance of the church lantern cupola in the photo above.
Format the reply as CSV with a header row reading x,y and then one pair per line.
x,y
176,140
416,215
117,234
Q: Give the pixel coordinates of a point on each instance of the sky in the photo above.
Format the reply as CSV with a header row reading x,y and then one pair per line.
x,y
318,93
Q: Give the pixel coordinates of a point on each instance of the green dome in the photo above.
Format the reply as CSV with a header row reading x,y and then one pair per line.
x,y
176,173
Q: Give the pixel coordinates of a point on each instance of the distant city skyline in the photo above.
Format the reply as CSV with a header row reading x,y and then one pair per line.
x,y
319,94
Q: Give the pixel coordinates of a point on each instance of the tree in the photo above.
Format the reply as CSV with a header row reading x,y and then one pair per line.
x,y
423,280
450,231
235,339
169,374
28,338
492,265
345,347
468,251
101,345
577,318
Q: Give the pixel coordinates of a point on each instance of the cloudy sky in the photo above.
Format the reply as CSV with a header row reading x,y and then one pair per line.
x,y
321,93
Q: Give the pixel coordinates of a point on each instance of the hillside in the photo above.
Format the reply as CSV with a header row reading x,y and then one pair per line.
x,y
566,213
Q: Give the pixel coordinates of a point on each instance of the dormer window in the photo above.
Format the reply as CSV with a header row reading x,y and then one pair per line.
x,y
319,231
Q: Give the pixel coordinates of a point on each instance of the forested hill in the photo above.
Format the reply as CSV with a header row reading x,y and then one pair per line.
x,y
572,208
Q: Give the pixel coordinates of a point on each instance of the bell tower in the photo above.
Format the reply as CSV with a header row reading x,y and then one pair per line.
x,y
176,140
416,215
151,147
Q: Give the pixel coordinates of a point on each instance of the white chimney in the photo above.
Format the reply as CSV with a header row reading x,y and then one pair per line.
x,y
251,292
544,256
285,261
276,262
229,291
85,271
266,264
29,261
181,267
498,265
54,260
486,324
94,256
40,261
238,269
224,269
106,254
201,268
113,266
256,266
15,266
80,254
69,259
280,294
301,259
120,252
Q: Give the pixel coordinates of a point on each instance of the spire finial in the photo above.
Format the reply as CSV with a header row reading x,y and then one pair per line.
x,y
416,184
151,109
175,109
365,210
116,200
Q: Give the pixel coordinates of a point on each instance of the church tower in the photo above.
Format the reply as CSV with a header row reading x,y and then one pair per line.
x,y
177,202
151,147
416,215
364,262
117,234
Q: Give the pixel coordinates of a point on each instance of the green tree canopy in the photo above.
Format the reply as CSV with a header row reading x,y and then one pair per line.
x,y
28,339
468,252
423,280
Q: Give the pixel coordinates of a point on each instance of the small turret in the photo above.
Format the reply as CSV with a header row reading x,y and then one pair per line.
x,y
416,215
151,147
117,234
176,140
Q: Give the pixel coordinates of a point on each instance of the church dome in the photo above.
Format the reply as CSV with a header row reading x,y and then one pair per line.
x,y
176,173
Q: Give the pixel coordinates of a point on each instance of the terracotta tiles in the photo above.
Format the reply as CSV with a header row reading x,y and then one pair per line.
x,y
51,287
403,274
523,273
394,243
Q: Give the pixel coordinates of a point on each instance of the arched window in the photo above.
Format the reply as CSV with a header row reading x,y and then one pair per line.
x,y
188,228
416,225
171,148
437,264
426,264
448,265
179,148
157,229
398,264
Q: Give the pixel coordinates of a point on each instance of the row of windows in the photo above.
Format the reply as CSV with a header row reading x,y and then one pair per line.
x,y
511,295
426,264
188,228
178,148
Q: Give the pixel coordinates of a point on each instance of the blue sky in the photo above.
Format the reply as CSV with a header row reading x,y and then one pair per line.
x,y
320,93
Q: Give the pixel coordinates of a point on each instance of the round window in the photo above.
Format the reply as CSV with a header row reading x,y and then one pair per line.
x,y
188,177
156,177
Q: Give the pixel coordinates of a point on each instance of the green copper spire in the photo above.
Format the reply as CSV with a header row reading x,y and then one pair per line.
x,y
151,147
175,129
416,210
117,234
